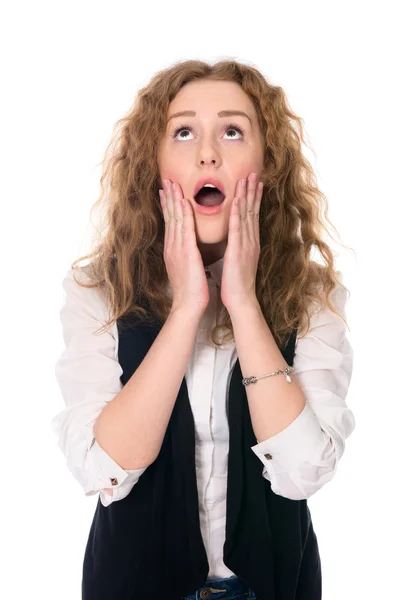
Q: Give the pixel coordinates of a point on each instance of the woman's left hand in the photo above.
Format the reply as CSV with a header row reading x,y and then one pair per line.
x,y
238,283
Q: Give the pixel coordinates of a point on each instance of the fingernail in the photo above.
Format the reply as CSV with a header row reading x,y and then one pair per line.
x,y
243,183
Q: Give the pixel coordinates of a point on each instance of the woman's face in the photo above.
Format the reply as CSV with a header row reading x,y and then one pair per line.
x,y
211,149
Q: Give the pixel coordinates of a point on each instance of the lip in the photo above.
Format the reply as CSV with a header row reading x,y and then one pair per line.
x,y
218,184
209,210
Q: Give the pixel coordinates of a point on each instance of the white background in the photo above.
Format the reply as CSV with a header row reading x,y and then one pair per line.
x,y
69,71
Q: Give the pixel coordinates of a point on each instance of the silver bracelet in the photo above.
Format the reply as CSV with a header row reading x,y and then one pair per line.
x,y
285,371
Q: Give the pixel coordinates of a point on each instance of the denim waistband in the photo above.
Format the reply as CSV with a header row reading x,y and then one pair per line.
x,y
231,588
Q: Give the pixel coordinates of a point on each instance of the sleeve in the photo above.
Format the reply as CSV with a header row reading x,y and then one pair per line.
x,y
303,457
88,374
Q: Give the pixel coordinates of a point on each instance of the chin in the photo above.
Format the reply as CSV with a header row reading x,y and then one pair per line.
x,y
211,237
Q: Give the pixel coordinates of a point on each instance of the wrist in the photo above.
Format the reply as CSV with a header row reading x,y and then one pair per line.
x,y
249,305
189,312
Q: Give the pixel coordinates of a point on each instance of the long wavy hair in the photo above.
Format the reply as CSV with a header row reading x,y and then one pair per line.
x,y
127,260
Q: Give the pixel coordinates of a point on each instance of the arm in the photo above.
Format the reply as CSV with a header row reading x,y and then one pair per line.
x,y
300,450
273,403
131,428
88,374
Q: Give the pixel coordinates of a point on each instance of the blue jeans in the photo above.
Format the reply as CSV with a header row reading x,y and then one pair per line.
x,y
230,588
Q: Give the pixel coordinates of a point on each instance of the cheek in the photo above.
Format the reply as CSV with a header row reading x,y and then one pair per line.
x,y
176,168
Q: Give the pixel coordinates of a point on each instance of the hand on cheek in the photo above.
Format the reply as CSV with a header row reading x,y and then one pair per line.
x,y
243,248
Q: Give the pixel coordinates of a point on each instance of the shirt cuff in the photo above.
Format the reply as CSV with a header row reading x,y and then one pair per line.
x,y
109,472
298,443
120,492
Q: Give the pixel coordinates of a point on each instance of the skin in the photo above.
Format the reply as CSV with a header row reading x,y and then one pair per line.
x,y
210,149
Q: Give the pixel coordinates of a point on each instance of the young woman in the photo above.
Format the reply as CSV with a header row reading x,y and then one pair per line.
x,y
206,364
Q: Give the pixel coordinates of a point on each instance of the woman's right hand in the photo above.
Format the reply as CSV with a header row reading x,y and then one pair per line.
x,y
182,257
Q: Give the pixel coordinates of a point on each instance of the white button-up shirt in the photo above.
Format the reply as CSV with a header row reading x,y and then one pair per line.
x,y
297,461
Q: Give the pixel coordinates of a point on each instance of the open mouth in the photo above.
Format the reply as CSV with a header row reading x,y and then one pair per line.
x,y
208,196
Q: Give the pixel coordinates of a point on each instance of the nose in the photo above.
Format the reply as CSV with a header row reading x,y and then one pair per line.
x,y
207,154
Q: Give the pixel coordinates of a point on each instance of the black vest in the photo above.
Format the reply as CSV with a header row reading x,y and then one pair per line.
x,y
149,545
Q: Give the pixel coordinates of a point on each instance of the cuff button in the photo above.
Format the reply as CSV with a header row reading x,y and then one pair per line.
x,y
268,456
114,481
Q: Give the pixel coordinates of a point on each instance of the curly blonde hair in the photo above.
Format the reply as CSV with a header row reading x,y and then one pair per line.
x,y
128,256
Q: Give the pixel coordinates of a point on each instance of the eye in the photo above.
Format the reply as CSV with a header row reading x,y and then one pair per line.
x,y
230,127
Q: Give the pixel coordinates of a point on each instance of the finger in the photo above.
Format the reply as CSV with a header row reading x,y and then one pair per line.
x,y
250,202
166,214
187,229
177,195
235,223
251,189
170,220
242,211
241,193
257,205
166,217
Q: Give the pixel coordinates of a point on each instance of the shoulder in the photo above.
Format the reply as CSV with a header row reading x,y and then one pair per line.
x,y
338,296
82,297
321,321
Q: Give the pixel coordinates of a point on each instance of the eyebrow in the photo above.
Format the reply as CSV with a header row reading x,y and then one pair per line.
x,y
221,113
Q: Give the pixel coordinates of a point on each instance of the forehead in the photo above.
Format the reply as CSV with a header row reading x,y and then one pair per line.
x,y
204,95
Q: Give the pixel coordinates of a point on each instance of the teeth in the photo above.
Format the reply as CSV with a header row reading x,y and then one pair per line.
x,y
209,185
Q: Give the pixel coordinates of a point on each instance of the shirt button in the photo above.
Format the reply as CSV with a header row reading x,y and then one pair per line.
x,y
268,456
204,594
114,481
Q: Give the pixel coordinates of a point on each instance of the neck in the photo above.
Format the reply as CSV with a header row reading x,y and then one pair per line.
x,y
210,253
